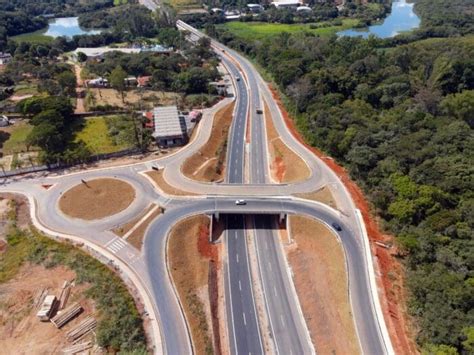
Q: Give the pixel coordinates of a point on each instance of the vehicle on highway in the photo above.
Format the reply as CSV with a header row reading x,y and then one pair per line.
x,y
240,202
237,78
259,111
336,226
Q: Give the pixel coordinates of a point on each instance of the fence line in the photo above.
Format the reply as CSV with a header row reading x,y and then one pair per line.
x,y
60,165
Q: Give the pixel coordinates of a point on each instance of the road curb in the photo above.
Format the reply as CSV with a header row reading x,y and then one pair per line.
x,y
136,280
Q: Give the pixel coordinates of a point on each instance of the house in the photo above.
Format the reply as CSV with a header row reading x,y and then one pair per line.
x,y
99,52
131,81
303,9
169,127
221,87
287,4
255,8
5,58
4,121
143,81
97,83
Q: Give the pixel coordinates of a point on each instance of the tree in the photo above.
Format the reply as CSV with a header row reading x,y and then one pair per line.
x,y
67,82
117,80
81,57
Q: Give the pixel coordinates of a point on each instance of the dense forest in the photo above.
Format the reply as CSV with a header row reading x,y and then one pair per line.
x,y
401,119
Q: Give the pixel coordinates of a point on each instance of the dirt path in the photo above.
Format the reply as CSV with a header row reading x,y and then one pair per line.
x,y
80,107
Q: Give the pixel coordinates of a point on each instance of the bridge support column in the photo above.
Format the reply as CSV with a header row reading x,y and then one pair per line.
x,y
281,217
216,216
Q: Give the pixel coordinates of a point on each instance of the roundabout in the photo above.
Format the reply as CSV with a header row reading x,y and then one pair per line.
x,y
97,198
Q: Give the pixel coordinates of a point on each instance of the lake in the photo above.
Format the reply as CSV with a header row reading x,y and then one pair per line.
x,y
401,19
66,26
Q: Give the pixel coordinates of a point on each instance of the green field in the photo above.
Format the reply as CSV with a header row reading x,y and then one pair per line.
x,y
260,30
16,139
96,136
33,37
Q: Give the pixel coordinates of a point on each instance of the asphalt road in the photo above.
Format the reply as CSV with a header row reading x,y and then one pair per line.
x,y
173,330
242,318
151,267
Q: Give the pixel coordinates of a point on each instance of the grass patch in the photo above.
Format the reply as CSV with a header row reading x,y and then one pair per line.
x,y
33,37
95,135
259,30
119,324
17,138
26,89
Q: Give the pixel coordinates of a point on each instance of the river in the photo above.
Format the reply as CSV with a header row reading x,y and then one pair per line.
x,y
401,19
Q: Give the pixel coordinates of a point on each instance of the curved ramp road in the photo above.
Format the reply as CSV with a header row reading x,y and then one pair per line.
x,y
150,267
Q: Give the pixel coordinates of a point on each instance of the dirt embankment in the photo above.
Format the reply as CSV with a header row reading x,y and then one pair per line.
x,y
96,199
194,263
208,163
317,261
285,165
158,178
389,271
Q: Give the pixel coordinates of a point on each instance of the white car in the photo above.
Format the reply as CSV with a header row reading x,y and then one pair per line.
x,y
240,202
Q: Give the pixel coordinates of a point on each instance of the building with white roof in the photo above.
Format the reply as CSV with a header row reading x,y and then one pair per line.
x,y
285,4
169,126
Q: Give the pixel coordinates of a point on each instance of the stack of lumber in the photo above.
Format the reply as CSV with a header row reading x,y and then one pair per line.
x,y
74,349
65,316
39,298
82,329
63,297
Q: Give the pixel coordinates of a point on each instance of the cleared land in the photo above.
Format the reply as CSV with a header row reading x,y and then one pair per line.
x,y
190,258
30,263
208,164
95,135
159,180
285,165
319,272
112,97
20,330
323,195
96,199
260,30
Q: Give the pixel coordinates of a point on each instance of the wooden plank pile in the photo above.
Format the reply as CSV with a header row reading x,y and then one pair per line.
x,y
39,298
66,315
82,329
63,297
74,349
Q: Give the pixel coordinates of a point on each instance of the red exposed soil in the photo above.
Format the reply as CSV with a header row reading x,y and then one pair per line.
x,y
389,271
280,168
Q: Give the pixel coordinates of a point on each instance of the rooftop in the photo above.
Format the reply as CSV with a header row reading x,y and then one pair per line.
x,y
167,122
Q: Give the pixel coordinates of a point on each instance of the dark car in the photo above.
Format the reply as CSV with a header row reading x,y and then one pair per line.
x,y
337,227
259,111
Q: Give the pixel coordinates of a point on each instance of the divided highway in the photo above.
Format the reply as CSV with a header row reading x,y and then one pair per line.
x,y
148,269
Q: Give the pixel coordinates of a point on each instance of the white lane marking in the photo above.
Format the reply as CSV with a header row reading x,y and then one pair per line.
x,y
237,257
282,320
245,320
116,244
240,286
274,290
270,266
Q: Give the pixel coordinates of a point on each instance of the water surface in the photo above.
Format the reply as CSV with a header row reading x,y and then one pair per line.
x,y
67,26
401,19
